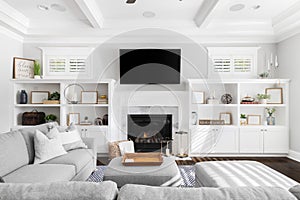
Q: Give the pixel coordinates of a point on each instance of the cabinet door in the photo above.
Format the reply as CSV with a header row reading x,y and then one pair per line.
x,y
251,140
99,134
276,140
226,140
201,140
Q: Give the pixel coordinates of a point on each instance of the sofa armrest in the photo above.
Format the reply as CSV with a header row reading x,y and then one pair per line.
x,y
91,144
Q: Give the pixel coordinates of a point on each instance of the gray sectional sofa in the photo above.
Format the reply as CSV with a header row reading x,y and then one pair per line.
x,y
17,156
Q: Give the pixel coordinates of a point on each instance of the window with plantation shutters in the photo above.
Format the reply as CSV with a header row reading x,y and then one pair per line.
x,y
233,62
57,65
77,65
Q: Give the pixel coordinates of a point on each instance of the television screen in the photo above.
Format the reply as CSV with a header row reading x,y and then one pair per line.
x,y
150,66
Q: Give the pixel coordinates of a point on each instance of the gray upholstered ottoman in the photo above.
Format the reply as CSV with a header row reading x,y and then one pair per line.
x,y
167,174
239,174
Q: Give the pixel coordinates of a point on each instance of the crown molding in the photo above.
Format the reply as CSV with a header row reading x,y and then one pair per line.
x,y
11,34
92,12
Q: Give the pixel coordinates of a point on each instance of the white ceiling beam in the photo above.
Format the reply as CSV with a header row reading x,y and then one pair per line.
x,y
92,12
12,18
204,13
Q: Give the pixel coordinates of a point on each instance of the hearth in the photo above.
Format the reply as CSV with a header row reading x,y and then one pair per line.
x,y
149,132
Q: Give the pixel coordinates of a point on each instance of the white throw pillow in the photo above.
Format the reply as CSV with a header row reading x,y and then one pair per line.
x,y
47,148
71,139
126,147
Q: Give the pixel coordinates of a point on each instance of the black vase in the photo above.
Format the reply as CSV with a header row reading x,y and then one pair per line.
x,y
105,119
23,97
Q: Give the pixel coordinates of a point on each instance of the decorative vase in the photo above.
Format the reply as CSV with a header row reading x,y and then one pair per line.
x,y
37,76
271,121
23,97
194,118
243,121
263,101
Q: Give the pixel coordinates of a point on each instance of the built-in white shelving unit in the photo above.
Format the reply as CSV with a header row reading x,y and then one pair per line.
x,y
92,111
235,138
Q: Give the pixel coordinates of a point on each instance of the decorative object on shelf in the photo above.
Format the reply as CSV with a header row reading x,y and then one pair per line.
x,y
212,99
264,75
73,118
211,122
23,68
51,118
254,120
53,99
168,153
38,97
263,98
248,100
72,92
33,118
243,120
198,97
105,119
276,96
89,97
23,97
181,152
37,70
272,65
194,118
226,99
270,118
226,117
98,121
86,121
102,99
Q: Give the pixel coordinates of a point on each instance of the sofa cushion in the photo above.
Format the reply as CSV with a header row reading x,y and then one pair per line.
x,y
295,191
78,158
243,193
71,138
28,134
60,190
1,180
13,152
41,173
47,147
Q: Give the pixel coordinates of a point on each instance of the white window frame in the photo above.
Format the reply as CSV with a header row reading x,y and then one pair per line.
x,y
232,53
67,53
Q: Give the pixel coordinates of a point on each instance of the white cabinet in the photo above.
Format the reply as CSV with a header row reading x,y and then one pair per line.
x,y
276,140
226,140
99,134
251,140
264,139
202,138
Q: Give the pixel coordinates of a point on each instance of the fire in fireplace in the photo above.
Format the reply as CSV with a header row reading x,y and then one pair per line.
x,y
149,132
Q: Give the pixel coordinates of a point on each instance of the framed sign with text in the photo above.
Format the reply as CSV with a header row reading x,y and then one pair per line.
x,y
23,68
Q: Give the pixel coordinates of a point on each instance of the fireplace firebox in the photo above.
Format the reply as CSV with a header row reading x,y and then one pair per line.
x,y
149,132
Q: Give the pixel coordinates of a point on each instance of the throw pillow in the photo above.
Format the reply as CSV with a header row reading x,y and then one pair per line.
x,y
295,191
1,180
71,139
47,148
114,150
126,147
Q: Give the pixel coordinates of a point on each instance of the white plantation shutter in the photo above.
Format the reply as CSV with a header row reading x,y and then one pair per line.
x,y
77,65
57,65
221,64
242,64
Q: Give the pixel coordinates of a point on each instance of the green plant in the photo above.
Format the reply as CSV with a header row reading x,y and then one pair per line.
x,y
37,68
263,96
54,96
270,111
243,116
264,75
51,117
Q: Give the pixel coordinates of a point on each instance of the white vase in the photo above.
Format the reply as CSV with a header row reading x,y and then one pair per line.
x,y
37,77
263,101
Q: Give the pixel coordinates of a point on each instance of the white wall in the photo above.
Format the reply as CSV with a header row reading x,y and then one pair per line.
x,y
9,48
288,55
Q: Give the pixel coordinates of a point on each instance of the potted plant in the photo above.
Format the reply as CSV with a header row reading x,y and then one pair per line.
x,y
53,99
264,75
263,98
37,70
270,118
50,118
243,119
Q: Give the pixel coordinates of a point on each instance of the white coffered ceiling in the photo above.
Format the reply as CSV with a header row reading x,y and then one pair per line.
x,y
274,19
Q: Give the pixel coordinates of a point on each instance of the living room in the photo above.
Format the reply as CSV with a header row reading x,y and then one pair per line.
x,y
197,99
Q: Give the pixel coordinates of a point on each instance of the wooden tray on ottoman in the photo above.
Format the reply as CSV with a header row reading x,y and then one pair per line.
x,y
142,159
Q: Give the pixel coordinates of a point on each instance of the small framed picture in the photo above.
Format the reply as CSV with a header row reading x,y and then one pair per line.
x,y
198,97
89,97
226,117
276,96
254,120
37,97
73,118
23,68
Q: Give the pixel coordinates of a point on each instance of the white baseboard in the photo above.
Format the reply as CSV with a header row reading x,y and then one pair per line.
x,y
294,155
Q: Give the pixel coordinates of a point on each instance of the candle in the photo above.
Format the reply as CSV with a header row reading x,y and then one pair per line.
x,y
167,152
271,58
276,61
268,65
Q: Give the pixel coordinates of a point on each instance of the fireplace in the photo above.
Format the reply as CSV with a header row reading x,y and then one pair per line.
x,y
149,132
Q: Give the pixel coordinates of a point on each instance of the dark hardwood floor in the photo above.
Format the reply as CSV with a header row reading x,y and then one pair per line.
x,y
284,165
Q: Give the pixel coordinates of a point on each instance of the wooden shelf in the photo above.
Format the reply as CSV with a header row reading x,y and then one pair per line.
x,y
37,105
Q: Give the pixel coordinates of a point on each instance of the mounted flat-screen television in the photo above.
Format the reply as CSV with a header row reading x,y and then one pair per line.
x,y
150,66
